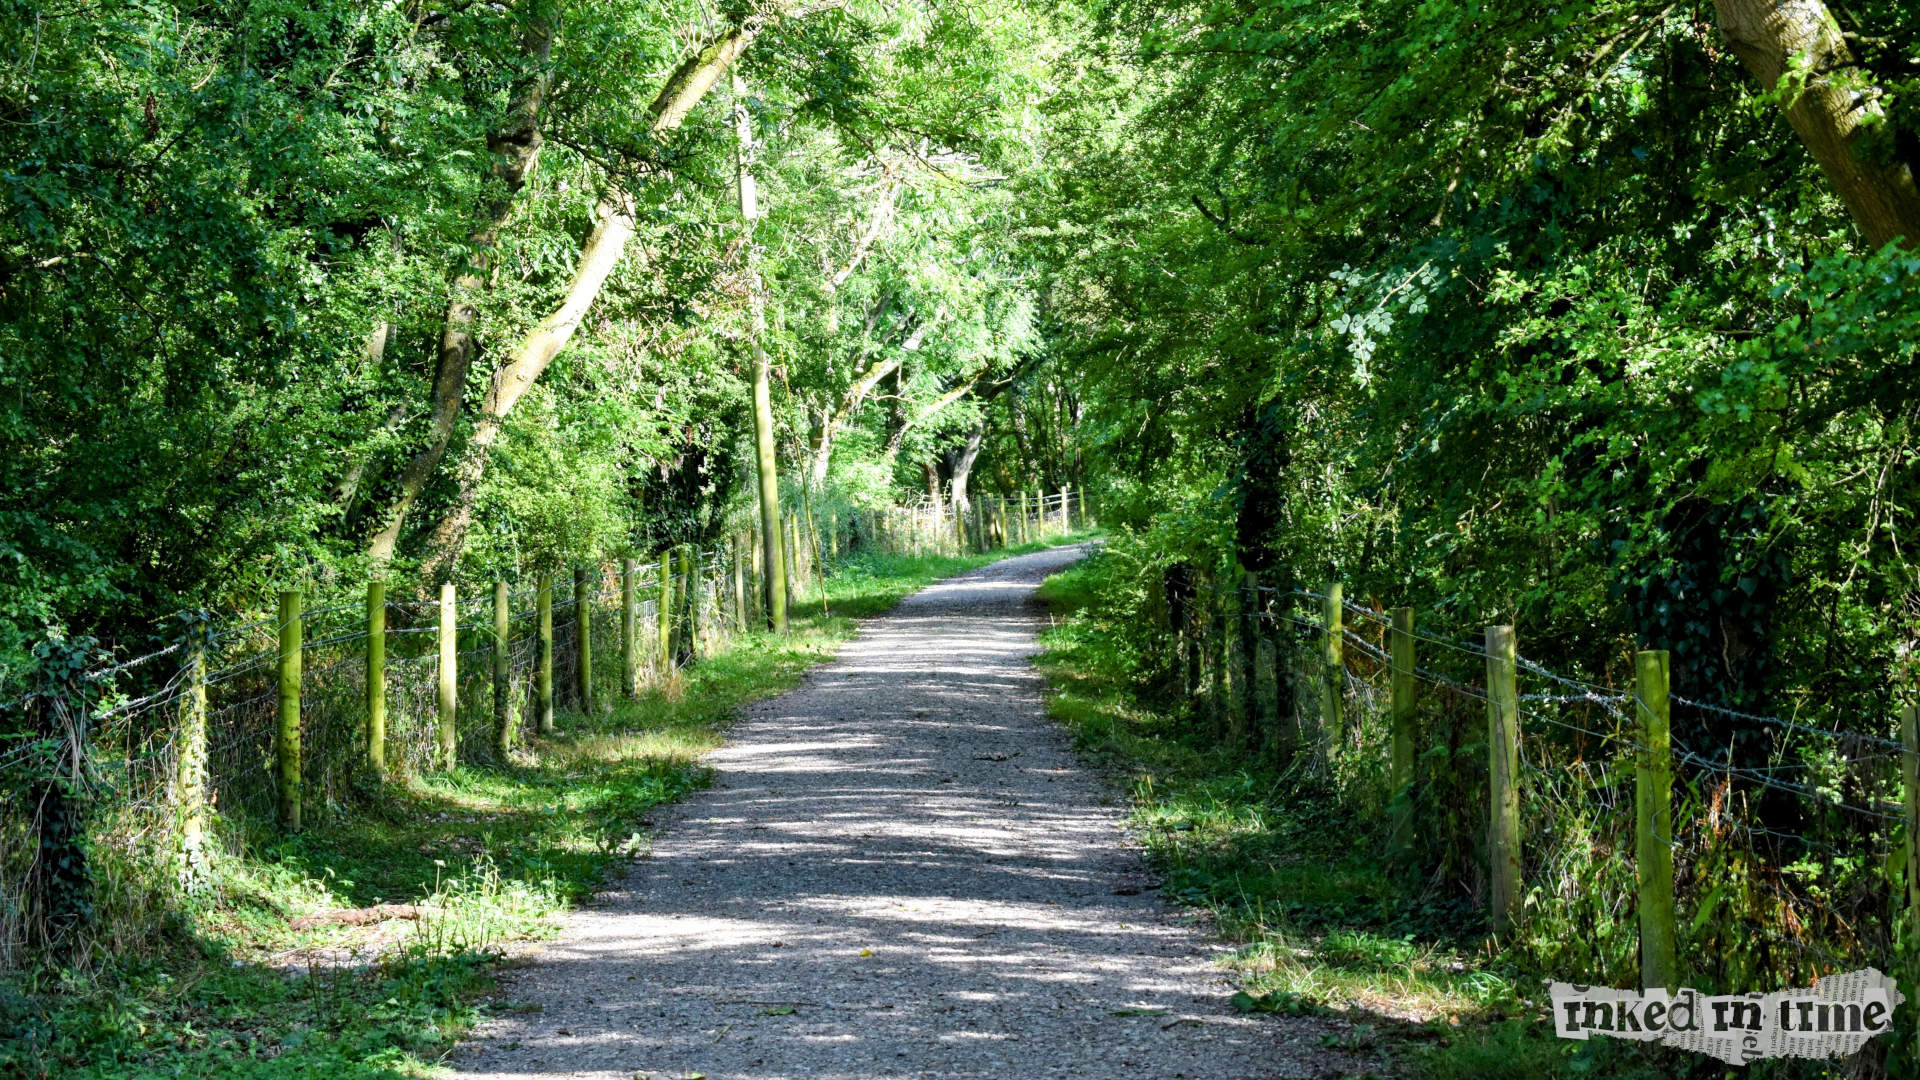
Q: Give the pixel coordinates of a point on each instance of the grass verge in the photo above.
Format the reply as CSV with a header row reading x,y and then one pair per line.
x,y
1300,886
231,988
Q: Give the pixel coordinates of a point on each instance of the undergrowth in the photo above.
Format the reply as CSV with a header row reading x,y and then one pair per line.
x,y
1303,885
224,985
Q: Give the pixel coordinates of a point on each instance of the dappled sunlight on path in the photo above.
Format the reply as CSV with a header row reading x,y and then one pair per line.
x,y
901,871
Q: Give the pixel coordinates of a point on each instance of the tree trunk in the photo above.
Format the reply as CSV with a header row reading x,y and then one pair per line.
x,y
766,463
613,227
963,466
1772,38
820,453
926,413
514,149
849,402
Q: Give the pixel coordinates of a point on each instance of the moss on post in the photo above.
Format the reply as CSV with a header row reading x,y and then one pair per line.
x,y
377,678
583,638
286,743
1333,667
629,629
448,696
543,675
190,774
502,671
663,616
1653,821
1503,780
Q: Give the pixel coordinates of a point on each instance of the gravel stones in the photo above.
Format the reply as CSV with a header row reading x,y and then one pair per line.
x,y
900,871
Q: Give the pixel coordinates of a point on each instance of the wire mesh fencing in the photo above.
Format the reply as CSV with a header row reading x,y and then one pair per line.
x,y
1779,870
161,759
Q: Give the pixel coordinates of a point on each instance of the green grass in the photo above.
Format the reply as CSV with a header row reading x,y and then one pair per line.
x,y
494,855
1299,884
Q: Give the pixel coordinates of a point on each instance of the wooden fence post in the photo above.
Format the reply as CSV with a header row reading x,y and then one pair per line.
x,y
1401,780
583,637
1066,516
1910,781
1218,638
286,746
190,776
448,639
629,627
543,678
377,678
756,579
1247,675
812,550
792,555
663,615
1503,790
502,670
739,569
1286,705
689,604
1653,821
1333,663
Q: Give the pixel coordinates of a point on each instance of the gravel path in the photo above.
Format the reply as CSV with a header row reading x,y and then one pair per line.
x,y
901,871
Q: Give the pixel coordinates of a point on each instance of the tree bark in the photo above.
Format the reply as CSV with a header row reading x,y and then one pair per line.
x,y
766,463
962,466
1798,39
613,227
514,150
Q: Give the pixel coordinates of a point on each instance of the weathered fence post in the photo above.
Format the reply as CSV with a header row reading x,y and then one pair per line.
x,y
792,553
629,630
543,678
756,580
1248,715
377,678
1220,705
1333,663
1503,790
502,670
1401,779
1066,517
190,776
689,604
663,615
1653,820
448,639
739,569
1286,704
1910,781
286,746
583,637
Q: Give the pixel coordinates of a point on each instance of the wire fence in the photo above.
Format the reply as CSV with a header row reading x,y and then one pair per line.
x,y
161,750
1785,862
148,767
